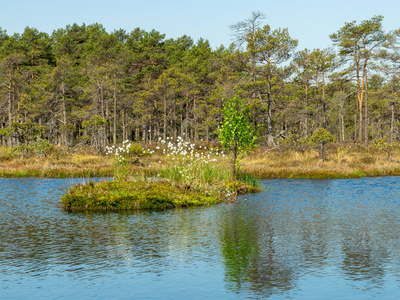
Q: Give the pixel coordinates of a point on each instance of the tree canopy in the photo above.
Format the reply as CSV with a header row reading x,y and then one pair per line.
x,y
85,85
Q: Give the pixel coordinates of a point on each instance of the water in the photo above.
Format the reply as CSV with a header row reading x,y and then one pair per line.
x,y
298,239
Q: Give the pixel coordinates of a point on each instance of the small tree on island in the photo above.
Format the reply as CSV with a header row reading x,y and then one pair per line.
x,y
237,134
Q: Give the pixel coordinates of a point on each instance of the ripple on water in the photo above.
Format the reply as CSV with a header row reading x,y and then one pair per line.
x,y
298,238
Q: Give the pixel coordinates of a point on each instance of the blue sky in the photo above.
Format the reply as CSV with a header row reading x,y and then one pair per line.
x,y
309,21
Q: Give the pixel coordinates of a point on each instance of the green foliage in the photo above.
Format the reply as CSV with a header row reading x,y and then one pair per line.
x,y
237,134
5,132
295,141
39,147
94,122
30,138
319,139
385,146
137,150
321,136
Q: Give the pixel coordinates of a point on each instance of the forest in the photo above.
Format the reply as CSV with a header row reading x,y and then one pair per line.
x,y
83,85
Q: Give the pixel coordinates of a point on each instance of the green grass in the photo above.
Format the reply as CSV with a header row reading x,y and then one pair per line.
x,y
131,195
55,173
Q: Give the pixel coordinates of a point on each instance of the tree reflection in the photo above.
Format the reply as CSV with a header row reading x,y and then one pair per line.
x,y
251,255
271,243
364,259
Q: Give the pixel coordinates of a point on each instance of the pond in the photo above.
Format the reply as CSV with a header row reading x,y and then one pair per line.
x,y
298,239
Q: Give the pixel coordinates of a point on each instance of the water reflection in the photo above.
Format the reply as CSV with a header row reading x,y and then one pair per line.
x,y
299,239
346,231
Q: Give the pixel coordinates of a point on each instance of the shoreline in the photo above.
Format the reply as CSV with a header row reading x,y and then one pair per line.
x,y
260,172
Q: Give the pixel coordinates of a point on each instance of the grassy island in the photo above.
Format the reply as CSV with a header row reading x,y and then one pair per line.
x,y
130,195
182,176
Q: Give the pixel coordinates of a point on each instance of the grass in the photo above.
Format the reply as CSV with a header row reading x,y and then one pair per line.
x,y
130,195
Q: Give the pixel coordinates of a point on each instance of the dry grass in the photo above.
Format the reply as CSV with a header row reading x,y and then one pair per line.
x,y
343,161
58,163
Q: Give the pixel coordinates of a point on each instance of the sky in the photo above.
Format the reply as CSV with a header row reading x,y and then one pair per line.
x,y
309,21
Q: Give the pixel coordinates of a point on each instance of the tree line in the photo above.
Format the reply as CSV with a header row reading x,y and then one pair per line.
x,y
84,85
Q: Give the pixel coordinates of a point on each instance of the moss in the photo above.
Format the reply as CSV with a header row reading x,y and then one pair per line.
x,y
132,195
127,195
242,188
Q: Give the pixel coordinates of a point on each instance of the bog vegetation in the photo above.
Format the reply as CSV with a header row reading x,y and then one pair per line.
x,y
69,98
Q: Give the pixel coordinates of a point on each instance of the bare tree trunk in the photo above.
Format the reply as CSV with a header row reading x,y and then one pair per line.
x,y
150,130
339,122
392,124
355,125
10,104
123,125
379,127
323,102
115,113
270,140
342,121
175,122
102,113
196,121
144,133
360,122
64,115
366,122
317,118
306,121
187,122
165,119
182,125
